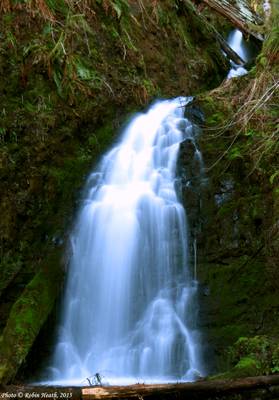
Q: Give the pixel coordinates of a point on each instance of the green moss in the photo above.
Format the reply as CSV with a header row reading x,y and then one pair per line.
x,y
247,366
216,118
27,316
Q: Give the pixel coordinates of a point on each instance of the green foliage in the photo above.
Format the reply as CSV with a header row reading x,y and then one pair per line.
x,y
250,132
275,360
215,118
120,6
256,346
262,60
273,177
235,152
58,6
69,69
260,350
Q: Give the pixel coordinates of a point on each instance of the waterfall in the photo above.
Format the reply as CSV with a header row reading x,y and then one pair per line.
x,y
129,311
237,43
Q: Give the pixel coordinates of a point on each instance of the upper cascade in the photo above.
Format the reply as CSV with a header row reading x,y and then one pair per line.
x,y
129,312
237,43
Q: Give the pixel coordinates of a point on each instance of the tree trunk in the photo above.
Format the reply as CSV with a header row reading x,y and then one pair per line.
x,y
262,387
193,391
240,15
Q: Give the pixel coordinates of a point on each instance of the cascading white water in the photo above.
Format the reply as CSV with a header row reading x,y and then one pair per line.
x,y
237,43
129,309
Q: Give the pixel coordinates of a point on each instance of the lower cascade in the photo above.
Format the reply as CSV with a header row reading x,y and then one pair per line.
x,y
130,309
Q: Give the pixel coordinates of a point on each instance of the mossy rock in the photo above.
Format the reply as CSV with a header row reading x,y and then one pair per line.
x,y
247,366
27,317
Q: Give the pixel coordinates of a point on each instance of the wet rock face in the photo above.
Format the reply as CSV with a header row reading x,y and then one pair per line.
x,y
229,212
187,151
190,172
195,115
193,187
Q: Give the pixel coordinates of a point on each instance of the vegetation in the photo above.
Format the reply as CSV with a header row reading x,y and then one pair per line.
x,y
261,350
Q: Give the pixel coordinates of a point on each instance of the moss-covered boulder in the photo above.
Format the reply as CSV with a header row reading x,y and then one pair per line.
x,y
28,315
247,366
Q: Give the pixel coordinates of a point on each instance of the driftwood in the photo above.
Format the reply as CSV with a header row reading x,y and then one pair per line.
x,y
193,391
239,14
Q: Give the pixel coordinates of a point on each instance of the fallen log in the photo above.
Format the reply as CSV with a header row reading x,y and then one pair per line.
x,y
200,390
232,55
192,391
240,15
